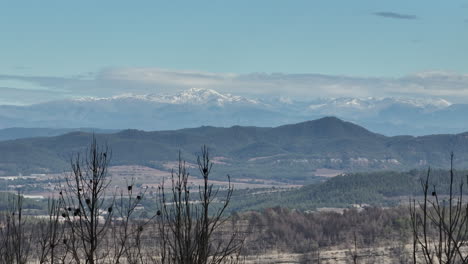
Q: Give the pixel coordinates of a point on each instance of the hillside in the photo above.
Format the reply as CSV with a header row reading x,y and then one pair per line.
x,y
384,188
289,153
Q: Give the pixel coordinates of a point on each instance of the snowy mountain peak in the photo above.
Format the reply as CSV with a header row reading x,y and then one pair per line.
x,y
200,96
329,106
195,96
200,92
372,103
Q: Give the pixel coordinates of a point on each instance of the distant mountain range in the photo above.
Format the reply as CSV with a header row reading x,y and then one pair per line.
x,y
288,153
21,132
197,107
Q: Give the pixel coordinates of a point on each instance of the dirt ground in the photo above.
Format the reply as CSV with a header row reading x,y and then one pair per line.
x,y
378,255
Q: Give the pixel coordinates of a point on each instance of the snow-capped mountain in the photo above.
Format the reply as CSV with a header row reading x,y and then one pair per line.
x,y
192,96
378,104
197,107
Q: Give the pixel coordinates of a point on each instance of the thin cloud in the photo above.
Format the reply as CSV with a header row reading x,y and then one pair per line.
x,y
395,15
18,96
112,82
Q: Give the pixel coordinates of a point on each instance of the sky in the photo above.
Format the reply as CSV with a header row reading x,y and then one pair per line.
x,y
51,50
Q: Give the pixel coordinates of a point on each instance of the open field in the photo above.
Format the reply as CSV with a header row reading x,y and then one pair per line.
x,y
322,172
44,185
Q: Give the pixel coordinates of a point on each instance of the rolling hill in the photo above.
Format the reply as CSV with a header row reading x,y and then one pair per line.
x,y
383,188
288,153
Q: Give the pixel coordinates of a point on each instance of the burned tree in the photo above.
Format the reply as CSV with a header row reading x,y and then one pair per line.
x,y
91,224
85,208
440,223
15,242
126,236
191,230
51,232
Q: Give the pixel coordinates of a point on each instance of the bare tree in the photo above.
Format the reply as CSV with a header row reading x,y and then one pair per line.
x,y
51,233
126,231
89,224
191,230
440,225
15,238
354,252
86,210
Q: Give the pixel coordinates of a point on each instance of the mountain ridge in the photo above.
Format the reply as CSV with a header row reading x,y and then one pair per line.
x,y
290,152
23,132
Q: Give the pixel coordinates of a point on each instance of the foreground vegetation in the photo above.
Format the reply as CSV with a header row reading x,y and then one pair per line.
x,y
270,230
91,222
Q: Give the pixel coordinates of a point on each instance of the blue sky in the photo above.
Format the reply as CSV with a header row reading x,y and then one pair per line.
x,y
85,40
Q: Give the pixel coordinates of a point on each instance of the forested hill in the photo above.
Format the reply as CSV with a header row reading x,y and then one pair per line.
x,y
384,188
287,152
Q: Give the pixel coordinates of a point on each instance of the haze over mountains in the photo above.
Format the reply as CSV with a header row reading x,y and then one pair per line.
x,y
196,107
21,132
288,153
